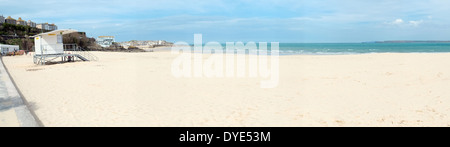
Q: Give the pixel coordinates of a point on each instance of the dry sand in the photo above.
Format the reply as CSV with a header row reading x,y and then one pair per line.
x,y
138,89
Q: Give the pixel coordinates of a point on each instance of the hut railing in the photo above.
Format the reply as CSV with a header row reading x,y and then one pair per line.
x,y
75,49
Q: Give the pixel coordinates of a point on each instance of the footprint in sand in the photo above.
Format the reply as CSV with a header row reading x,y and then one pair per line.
x,y
37,69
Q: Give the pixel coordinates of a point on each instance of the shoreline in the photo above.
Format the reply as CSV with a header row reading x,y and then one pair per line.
x,y
283,52
325,54
137,89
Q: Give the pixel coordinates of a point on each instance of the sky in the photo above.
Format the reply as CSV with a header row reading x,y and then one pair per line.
x,y
286,21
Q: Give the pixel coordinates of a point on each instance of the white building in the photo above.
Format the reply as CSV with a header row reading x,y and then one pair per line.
x,y
46,26
42,26
49,46
105,41
5,49
50,43
2,19
31,24
52,27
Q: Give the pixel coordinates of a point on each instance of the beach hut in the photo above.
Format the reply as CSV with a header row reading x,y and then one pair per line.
x,y
5,49
50,43
50,46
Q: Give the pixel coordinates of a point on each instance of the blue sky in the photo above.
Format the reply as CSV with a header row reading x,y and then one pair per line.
x,y
244,20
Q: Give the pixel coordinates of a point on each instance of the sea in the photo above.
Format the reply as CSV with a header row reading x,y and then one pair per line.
x,y
356,48
361,48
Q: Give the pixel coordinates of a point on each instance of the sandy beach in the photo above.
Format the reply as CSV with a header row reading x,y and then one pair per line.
x,y
138,89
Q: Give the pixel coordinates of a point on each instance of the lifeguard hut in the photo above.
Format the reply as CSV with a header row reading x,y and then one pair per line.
x,y
49,46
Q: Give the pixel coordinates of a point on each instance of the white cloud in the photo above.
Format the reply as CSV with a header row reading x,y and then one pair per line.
x,y
398,22
402,23
416,23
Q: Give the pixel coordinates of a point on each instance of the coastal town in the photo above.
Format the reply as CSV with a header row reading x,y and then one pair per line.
x,y
20,21
17,35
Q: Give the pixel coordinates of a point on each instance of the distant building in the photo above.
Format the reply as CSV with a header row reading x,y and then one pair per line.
x,y
2,19
21,22
42,26
52,27
31,24
105,41
46,26
10,20
5,49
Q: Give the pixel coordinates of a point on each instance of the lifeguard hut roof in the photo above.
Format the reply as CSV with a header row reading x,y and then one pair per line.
x,y
62,32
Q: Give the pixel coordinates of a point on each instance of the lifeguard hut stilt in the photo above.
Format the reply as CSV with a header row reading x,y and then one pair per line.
x,y
49,46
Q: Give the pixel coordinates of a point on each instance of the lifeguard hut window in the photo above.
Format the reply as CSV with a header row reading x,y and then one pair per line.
x,y
60,39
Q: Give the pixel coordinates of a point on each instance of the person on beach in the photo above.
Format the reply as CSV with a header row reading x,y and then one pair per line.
x,y
69,58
